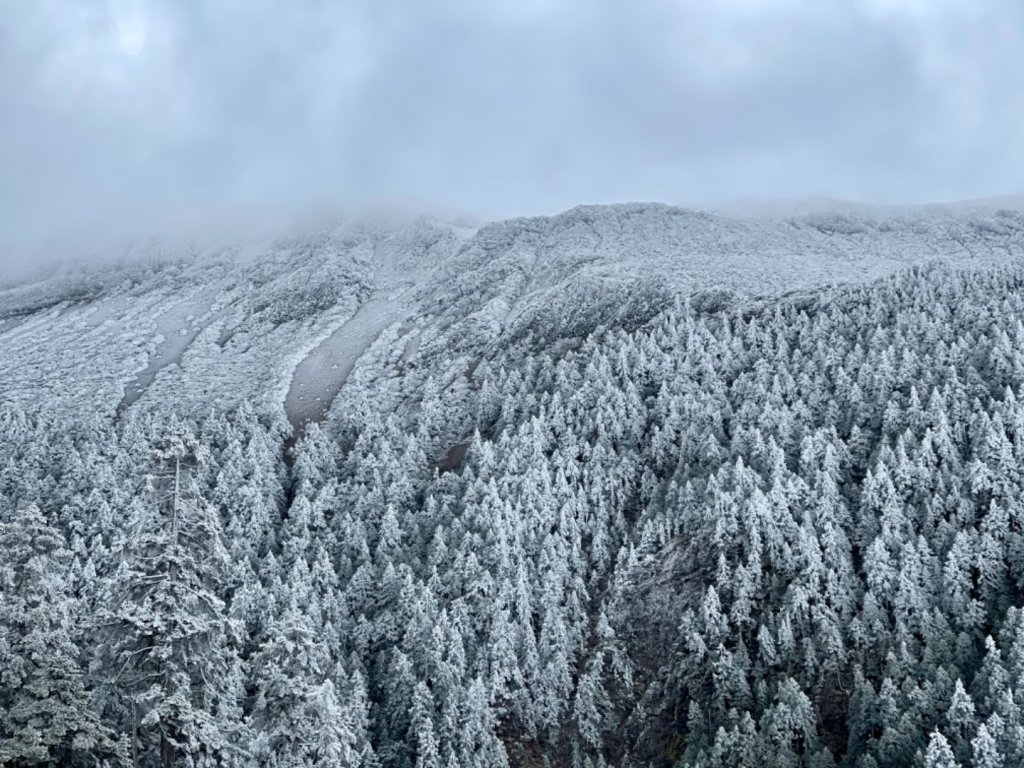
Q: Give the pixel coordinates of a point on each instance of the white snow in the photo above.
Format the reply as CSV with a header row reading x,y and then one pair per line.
x,y
461,231
12,322
411,345
176,329
284,327
321,374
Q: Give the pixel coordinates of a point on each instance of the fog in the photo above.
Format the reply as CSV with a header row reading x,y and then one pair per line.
x,y
124,116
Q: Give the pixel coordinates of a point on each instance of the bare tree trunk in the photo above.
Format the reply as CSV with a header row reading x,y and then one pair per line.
x,y
166,752
135,735
174,504
166,748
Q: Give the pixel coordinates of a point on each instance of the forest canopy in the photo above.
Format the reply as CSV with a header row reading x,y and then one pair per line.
x,y
782,534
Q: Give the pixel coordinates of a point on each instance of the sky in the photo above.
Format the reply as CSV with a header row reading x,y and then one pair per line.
x,y
122,115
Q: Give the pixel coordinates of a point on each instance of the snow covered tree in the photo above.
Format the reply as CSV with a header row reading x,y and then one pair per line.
x,y
46,716
961,722
168,645
939,753
427,752
985,751
299,717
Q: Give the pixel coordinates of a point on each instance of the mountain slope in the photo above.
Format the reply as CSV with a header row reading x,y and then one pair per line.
x,y
630,485
211,330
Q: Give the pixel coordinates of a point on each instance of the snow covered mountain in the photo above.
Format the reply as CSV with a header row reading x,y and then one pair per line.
x,y
631,485
285,322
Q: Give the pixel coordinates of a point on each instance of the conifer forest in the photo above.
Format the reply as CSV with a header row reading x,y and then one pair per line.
x,y
627,486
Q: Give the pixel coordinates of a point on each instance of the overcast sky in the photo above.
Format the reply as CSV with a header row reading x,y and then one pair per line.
x,y
116,114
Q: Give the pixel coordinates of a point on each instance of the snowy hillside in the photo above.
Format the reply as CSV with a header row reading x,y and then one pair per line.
x,y
407,297
631,485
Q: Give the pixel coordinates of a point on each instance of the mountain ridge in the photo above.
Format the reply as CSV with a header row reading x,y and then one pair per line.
x,y
633,485
472,289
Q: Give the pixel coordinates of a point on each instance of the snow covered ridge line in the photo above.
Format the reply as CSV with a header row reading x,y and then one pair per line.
x,y
84,341
807,206
143,254
141,261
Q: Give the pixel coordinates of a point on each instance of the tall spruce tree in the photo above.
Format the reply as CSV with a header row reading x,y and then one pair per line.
x,y
46,715
168,647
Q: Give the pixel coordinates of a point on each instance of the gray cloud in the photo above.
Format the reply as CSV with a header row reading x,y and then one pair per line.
x,y
116,115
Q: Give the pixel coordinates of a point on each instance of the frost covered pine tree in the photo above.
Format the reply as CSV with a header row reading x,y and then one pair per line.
x,y
167,662
46,716
422,731
299,717
985,751
939,754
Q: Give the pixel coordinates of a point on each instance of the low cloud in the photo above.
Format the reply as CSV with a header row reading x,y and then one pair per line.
x,y
124,115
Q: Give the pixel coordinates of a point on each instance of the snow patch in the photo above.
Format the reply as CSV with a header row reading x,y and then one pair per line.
x,y
177,328
321,374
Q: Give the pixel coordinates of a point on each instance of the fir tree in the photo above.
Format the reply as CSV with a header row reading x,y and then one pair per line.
x,y
46,716
168,642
